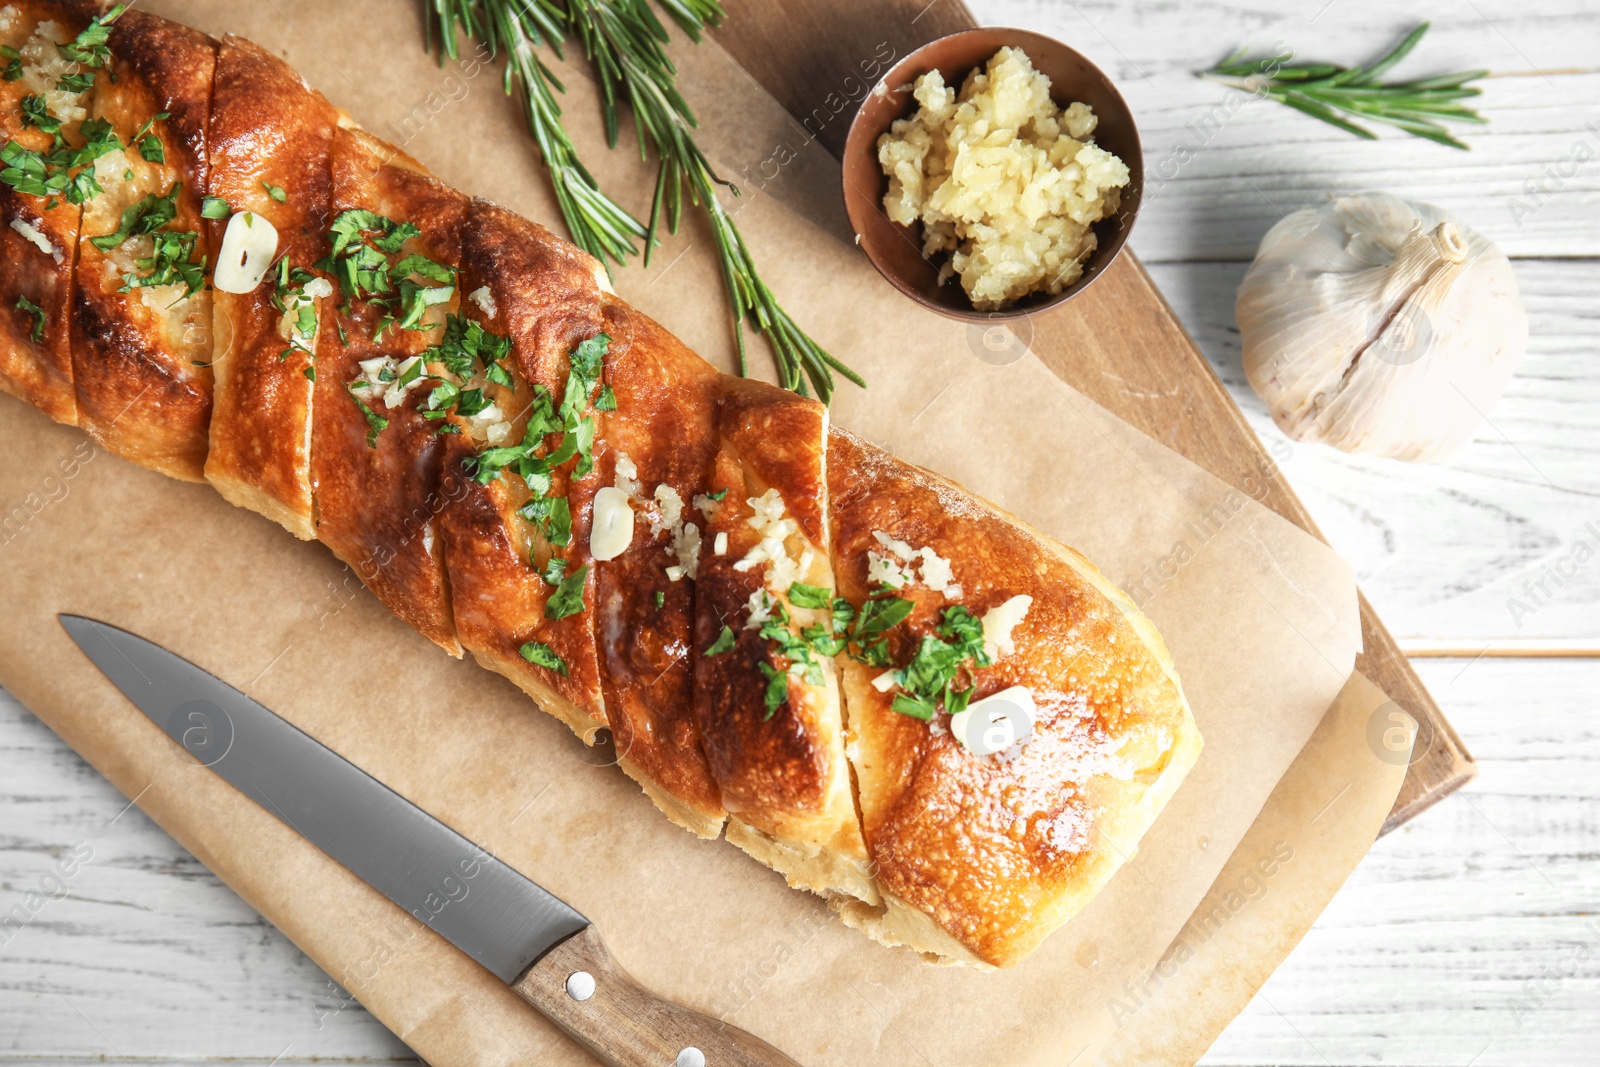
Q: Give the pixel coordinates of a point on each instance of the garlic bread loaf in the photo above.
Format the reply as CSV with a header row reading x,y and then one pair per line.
x,y
893,693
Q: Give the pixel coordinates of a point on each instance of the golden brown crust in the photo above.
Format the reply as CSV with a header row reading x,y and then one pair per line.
x,y
545,301
38,371
768,767
1001,851
377,504
783,774
140,360
780,439
267,128
665,424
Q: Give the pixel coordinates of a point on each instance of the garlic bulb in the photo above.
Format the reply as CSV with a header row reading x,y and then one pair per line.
x,y
1377,325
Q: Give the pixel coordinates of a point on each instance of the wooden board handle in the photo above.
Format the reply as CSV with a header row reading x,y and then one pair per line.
x,y
583,991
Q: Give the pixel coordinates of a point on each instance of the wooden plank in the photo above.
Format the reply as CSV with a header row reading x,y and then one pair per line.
x,y
1528,184
1502,965
1121,330
1452,554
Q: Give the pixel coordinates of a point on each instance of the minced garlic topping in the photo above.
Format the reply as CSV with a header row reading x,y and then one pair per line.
x,y
774,528
898,567
707,505
627,472
669,510
999,623
484,299
886,570
1001,178
43,67
667,517
379,381
686,546
760,606
31,233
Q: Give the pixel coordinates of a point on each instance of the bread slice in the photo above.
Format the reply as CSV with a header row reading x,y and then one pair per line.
x,y
268,131
378,491
141,359
540,294
979,858
659,445
772,725
39,234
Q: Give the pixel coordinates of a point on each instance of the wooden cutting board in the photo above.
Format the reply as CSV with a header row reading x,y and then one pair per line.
x,y
1121,330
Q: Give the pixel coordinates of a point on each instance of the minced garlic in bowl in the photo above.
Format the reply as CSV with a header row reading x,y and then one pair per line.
x,y
1002,179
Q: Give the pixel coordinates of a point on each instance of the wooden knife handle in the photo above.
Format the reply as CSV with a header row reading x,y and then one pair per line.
x,y
626,1025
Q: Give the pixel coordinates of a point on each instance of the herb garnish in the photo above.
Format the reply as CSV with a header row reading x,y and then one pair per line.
x,y
70,83
214,207
791,646
777,694
149,144
553,516
64,170
289,297
39,318
724,642
277,193
36,114
809,596
468,349
583,374
146,216
863,634
467,346
363,241
89,47
577,430
169,262
376,423
542,655
934,673
867,637
568,597
13,69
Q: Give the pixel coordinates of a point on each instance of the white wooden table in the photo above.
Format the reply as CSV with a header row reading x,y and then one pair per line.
x,y
1471,936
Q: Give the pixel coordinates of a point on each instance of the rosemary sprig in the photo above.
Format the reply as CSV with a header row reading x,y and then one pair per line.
x,y
598,224
1325,90
625,44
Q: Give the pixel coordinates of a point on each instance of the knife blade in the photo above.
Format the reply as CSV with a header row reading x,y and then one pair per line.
x,y
536,943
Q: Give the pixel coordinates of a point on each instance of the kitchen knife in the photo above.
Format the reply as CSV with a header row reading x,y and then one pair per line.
x,y
537,944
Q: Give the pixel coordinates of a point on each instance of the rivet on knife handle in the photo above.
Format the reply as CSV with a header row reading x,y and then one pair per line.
x,y
581,988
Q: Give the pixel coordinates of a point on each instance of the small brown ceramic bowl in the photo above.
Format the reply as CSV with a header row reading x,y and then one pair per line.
x,y
896,250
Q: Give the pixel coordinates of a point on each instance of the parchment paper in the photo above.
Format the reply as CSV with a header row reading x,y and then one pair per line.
x,y
1260,618
1312,832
